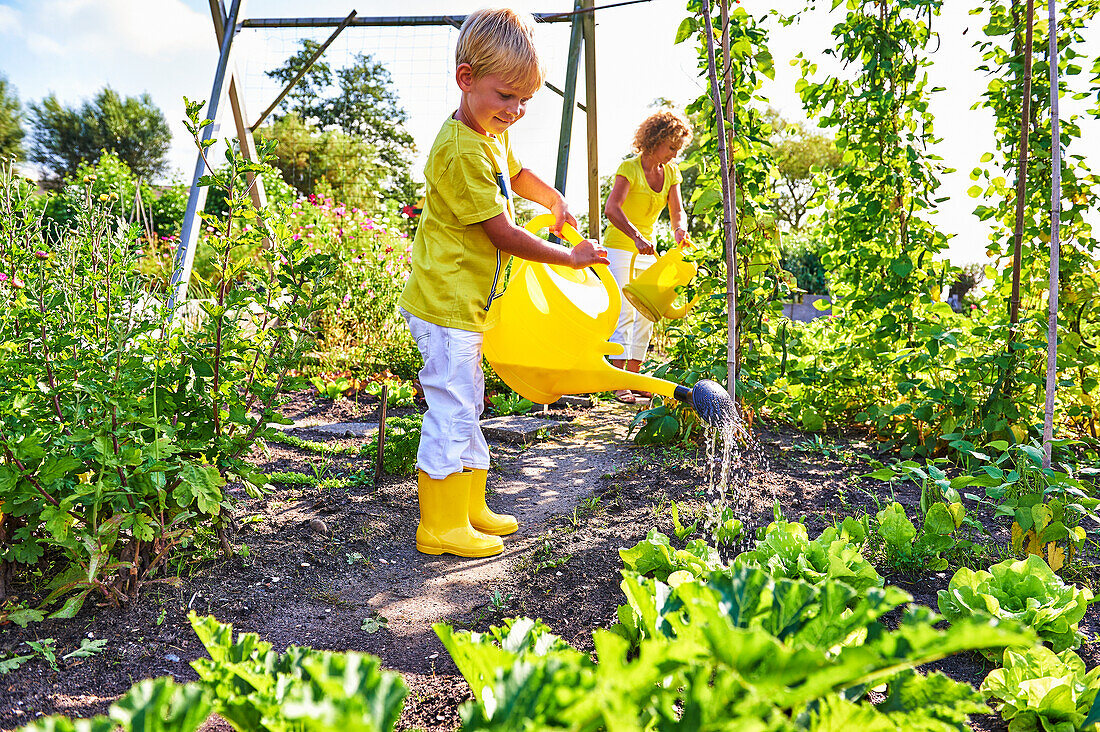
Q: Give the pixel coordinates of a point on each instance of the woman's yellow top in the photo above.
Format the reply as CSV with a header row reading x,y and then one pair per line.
x,y
642,205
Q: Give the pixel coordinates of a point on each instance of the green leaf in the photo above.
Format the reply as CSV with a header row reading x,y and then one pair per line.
x,y
200,484
161,705
896,528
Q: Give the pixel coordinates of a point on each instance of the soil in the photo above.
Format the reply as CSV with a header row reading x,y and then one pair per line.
x,y
319,562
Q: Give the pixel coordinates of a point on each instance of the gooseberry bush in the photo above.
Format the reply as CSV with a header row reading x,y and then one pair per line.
x,y
122,423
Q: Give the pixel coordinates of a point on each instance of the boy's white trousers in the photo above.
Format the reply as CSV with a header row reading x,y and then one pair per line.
x,y
633,330
454,387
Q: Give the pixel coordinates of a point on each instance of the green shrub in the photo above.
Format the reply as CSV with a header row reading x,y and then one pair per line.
x,y
120,427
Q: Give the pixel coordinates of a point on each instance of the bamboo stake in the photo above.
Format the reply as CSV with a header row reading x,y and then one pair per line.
x,y
728,208
1055,215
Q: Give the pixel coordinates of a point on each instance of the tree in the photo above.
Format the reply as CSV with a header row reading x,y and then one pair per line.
x,y
11,128
356,100
307,156
798,152
132,127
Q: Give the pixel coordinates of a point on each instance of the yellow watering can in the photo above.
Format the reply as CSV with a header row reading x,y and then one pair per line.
x,y
653,291
552,336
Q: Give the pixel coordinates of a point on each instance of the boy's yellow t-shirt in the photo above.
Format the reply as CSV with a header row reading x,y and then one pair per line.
x,y
642,204
457,273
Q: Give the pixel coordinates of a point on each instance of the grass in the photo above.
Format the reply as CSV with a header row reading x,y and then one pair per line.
x,y
319,448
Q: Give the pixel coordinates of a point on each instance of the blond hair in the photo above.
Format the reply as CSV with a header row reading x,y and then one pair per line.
x,y
664,125
501,41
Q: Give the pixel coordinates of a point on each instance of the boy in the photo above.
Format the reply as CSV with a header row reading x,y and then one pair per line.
x,y
464,240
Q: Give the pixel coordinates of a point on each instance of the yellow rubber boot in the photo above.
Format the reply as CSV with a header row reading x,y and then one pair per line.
x,y
444,524
481,517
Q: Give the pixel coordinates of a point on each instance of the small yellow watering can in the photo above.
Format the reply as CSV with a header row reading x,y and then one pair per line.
x,y
653,291
552,336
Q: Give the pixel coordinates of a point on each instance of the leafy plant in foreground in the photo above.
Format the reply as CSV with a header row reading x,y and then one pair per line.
x,y
258,690
732,650
1042,690
1026,591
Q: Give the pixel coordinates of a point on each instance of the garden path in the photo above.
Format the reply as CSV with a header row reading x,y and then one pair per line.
x,y
534,482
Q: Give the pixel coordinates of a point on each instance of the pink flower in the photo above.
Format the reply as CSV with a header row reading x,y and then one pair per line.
x,y
3,277
297,237
41,254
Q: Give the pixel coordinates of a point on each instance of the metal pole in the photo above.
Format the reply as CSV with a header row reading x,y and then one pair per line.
x,y
185,253
1055,216
300,74
384,20
240,116
594,209
568,98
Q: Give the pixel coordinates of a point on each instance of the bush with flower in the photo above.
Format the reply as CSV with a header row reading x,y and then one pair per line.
x,y
359,319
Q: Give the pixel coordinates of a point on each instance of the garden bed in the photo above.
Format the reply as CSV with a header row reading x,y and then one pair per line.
x,y
335,568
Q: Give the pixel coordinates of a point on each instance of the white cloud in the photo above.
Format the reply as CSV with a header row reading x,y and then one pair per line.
x,y
138,29
9,20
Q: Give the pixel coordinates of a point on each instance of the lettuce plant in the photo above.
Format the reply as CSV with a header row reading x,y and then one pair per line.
x,y
787,551
1041,690
1026,591
906,547
733,649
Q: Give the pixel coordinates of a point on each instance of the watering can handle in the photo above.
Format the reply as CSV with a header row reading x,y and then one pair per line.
x,y
545,221
610,317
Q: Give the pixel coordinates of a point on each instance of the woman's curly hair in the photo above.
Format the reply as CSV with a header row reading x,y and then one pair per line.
x,y
662,126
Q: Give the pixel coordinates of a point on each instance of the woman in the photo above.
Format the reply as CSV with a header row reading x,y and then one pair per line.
x,y
644,184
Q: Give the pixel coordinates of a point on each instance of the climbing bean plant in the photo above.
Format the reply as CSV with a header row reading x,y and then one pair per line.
x,y
761,282
1020,371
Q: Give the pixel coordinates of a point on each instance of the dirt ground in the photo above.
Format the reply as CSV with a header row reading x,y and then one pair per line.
x,y
320,562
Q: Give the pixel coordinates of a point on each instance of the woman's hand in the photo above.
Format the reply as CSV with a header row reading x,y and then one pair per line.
x,y
680,233
643,246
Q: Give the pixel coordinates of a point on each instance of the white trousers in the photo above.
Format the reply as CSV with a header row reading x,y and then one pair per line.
x,y
454,387
633,330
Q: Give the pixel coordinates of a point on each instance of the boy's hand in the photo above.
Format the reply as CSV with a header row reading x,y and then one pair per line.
x,y
561,217
587,253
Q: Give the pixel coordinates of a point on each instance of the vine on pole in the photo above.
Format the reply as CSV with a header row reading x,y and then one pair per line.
x,y
728,205
1055,215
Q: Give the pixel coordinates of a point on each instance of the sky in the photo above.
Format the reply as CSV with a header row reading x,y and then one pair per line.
x,y
167,48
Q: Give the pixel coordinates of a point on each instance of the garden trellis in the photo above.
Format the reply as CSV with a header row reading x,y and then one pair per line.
x,y
582,33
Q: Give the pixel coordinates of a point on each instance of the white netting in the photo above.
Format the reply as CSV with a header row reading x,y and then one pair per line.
x,y
420,61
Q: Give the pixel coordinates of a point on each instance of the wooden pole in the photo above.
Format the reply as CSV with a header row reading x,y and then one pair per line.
x,y
594,208
727,206
1055,215
1021,180
381,434
240,115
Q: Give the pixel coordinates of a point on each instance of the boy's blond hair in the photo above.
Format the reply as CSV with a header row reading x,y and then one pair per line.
x,y
501,41
664,125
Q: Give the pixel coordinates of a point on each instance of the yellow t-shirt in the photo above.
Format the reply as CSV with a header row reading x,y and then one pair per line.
x,y
457,273
642,204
